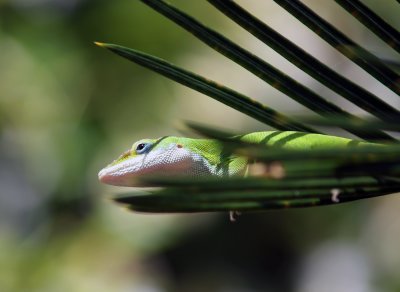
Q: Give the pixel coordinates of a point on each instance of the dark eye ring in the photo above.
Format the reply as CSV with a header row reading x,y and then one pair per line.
x,y
140,146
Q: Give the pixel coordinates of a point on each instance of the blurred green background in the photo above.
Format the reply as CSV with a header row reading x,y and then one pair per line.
x,y
67,108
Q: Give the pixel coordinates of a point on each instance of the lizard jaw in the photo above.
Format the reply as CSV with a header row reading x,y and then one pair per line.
x,y
118,174
171,161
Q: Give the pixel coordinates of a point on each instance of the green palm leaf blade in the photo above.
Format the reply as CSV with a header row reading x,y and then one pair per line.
x,y
343,44
373,22
327,121
306,62
257,66
185,200
270,184
395,65
217,91
207,131
339,121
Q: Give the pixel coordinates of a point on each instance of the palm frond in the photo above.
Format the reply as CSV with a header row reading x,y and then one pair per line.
x,y
191,200
306,62
258,67
213,89
365,124
375,23
280,178
343,44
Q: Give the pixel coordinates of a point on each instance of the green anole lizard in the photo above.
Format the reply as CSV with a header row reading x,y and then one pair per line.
x,y
179,156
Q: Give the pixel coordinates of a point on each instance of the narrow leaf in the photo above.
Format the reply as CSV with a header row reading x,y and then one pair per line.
x,y
306,62
258,67
372,21
263,183
369,62
183,201
217,91
365,124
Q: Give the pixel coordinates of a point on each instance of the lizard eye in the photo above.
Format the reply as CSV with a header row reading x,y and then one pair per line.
x,y
143,148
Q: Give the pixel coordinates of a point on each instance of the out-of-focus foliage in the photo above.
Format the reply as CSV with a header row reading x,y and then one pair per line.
x,y
67,108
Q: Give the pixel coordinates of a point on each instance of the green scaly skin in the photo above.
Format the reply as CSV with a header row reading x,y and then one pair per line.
x,y
179,156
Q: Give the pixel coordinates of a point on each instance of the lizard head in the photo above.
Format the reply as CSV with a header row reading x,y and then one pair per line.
x,y
166,156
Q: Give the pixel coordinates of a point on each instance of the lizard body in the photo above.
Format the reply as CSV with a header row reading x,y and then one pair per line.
x,y
180,156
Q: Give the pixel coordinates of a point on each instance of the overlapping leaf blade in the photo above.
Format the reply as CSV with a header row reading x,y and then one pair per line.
x,y
343,44
307,62
221,93
191,200
375,23
259,67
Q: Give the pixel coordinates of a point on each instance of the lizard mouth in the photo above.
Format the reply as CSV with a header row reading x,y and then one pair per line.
x,y
173,161
108,178
129,172
121,174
